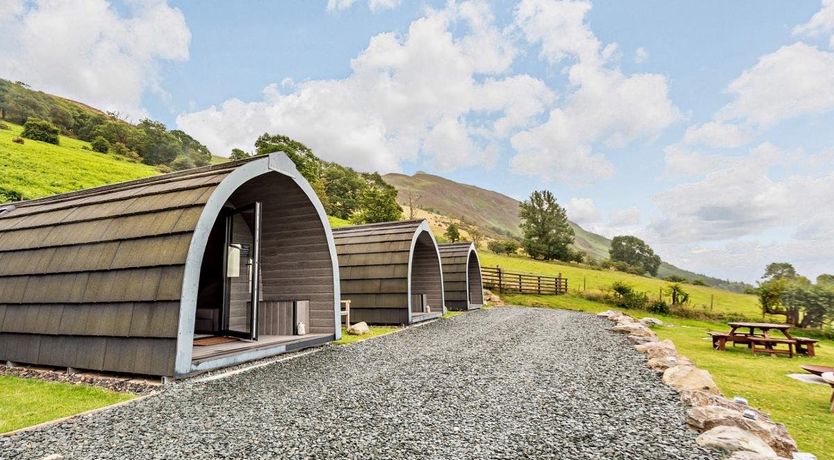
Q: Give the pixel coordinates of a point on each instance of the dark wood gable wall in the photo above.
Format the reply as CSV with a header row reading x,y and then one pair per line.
x,y
93,279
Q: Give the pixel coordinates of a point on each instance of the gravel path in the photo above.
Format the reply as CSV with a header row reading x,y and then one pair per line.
x,y
498,383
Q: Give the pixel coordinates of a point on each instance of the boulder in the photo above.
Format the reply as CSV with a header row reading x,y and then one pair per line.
x,y
775,435
609,314
731,439
742,455
632,329
662,363
683,377
662,350
640,340
359,329
650,322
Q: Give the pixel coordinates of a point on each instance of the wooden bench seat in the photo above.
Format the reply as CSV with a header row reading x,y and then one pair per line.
x,y
805,346
768,345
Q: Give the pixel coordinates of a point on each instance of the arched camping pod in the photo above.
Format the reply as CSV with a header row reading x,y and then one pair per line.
x,y
461,276
390,272
158,276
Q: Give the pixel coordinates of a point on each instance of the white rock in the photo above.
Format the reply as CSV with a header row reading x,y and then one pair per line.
x,y
359,329
773,434
651,322
732,439
742,455
690,378
663,363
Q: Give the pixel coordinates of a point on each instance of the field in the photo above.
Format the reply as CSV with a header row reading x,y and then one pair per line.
x,y
27,402
36,169
802,407
580,278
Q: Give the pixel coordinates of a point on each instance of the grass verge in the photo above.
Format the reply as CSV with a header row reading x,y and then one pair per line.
x,y
376,331
26,402
763,380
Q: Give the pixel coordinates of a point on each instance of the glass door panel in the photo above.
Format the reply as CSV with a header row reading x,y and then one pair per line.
x,y
242,254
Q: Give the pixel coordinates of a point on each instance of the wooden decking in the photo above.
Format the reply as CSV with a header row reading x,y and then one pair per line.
x,y
420,317
203,353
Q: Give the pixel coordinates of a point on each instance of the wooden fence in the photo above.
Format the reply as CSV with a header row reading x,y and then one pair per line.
x,y
500,280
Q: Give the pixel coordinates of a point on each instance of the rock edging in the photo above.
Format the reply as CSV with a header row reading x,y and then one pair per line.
x,y
733,427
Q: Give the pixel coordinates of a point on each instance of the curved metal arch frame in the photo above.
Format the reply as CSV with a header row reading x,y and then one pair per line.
x,y
274,162
424,228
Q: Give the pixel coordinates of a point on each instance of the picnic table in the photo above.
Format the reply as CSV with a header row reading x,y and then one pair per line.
x,y
828,378
758,339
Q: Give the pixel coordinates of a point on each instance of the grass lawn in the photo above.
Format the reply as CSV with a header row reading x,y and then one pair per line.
x,y
36,169
336,222
802,407
578,277
27,402
376,331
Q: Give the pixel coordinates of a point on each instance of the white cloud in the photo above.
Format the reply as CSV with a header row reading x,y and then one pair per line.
x,y
86,50
604,106
625,217
792,81
582,211
428,95
373,5
821,24
641,55
747,196
715,134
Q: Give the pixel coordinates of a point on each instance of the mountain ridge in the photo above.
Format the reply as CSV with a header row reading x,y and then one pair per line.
x,y
497,215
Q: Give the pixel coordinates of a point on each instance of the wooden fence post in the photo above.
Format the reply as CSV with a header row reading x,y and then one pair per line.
x,y
520,289
539,285
500,281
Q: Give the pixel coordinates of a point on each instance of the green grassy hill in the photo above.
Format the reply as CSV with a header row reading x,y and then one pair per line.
x,y
579,278
497,215
36,169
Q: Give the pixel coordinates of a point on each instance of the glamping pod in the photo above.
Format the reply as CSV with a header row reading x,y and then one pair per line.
x,y
462,282
169,275
390,272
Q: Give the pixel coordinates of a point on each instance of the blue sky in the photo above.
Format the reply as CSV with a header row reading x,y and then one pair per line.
x,y
702,127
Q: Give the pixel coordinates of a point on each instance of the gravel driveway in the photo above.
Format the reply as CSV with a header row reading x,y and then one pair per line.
x,y
498,383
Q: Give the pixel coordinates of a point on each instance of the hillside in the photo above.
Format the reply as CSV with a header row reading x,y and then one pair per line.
x,y
497,215
36,169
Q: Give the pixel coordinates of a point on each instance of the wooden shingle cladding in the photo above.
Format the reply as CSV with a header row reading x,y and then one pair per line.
x,y
461,276
106,279
382,265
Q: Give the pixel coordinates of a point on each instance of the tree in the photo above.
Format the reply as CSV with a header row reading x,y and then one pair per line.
x,y
100,144
238,154
678,295
779,270
453,233
825,280
503,247
635,252
40,130
378,205
157,146
547,233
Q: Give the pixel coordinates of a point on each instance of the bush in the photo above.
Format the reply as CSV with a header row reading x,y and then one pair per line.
x,y
100,144
18,140
4,126
626,297
659,307
164,169
503,247
699,283
182,162
676,279
40,130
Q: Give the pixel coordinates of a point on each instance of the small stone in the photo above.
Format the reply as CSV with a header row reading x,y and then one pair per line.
x,y
732,439
359,329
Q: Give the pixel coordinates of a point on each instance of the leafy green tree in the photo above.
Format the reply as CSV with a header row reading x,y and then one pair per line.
x,y
378,205
100,144
503,246
825,280
635,252
779,270
547,233
238,154
453,233
157,145
40,130
307,163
